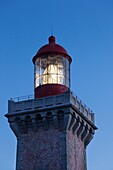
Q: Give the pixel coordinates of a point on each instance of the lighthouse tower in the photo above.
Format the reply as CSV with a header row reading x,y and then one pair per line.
x,y
54,128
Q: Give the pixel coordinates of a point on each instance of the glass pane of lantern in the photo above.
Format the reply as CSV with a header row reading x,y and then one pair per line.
x,y
67,68
60,69
37,64
52,60
60,60
60,79
61,65
40,80
50,75
41,71
51,79
43,63
37,71
37,81
44,79
52,69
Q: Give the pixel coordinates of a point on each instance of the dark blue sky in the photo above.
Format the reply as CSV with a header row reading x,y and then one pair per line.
x,y
85,29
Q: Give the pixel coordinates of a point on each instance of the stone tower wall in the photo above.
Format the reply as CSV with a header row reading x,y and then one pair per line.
x,y
50,149
39,150
52,132
76,153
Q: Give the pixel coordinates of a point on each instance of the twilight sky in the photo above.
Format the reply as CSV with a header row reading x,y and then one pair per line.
x,y
85,29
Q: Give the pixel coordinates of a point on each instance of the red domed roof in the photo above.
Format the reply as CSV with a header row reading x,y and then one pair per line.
x,y
52,47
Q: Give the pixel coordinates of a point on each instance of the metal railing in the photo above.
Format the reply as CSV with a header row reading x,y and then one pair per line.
x,y
80,101
28,97
22,98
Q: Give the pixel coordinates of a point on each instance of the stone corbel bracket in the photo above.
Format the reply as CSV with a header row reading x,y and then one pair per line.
x,y
63,119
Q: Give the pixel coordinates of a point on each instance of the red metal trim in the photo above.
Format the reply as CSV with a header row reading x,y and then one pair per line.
x,y
52,48
49,90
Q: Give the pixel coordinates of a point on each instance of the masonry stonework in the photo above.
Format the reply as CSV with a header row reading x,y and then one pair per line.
x,y
52,132
76,153
40,150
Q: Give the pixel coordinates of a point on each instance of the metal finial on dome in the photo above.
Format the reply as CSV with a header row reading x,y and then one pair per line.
x,y
52,39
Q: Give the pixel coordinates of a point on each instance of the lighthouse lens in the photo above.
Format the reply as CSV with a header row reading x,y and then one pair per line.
x,y
52,69
51,73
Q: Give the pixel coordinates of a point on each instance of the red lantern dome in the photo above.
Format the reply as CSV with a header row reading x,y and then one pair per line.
x,y
51,69
52,47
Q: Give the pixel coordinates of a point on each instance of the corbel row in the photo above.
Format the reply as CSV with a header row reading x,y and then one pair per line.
x,y
22,124
32,122
81,128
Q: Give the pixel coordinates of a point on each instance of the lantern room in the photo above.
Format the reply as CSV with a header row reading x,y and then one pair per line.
x,y
51,69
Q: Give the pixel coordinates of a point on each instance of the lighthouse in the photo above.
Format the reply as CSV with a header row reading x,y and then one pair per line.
x,y
54,128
